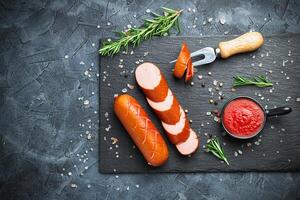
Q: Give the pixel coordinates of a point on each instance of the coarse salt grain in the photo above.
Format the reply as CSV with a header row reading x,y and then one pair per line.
x,y
222,20
124,90
86,102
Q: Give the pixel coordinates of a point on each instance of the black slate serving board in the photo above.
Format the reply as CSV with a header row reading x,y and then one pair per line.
x,y
279,142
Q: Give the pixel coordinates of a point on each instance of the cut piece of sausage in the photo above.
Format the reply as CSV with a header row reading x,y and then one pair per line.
x,y
178,132
142,131
152,82
168,110
183,60
180,137
190,145
189,71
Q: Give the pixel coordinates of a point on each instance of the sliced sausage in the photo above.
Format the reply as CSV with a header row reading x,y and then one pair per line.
x,y
174,123
168,110
152,82
142,131
178,132
190,145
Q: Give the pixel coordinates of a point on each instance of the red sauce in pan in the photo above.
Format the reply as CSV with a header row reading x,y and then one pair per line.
x,y
243,117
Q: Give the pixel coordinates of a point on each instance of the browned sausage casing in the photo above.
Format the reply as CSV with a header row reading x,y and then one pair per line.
x,y
141,129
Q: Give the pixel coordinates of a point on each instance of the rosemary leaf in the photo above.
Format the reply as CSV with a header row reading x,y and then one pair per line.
x,y
160,25
216,149
259,81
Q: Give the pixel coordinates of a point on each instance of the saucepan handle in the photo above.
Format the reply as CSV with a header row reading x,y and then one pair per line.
x,y
278,111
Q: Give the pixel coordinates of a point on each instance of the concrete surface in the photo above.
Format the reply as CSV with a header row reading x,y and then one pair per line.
x,y
46,49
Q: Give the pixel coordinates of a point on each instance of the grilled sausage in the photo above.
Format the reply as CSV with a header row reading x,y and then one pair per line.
x,y
141,129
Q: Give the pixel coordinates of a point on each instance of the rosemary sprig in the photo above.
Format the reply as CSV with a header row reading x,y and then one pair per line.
x,y
259,81
213,145
160,25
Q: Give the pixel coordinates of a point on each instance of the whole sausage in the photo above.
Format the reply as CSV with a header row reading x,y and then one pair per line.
x,y
141,129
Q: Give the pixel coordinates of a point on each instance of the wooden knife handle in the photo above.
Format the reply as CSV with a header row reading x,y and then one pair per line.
x,y
245,43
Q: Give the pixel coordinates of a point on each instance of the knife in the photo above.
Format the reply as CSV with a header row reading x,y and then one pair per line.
x,y
245,43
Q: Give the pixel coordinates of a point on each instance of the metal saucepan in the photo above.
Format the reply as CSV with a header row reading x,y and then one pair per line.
x,y
267,113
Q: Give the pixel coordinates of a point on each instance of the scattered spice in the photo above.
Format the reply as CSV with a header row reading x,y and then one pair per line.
x,y
114,140
130,86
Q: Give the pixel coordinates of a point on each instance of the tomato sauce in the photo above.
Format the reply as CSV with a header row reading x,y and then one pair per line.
x,y
243,117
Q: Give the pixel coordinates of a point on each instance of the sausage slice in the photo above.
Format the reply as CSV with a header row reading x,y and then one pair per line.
x,y
168,111
152,82
190,145
178,132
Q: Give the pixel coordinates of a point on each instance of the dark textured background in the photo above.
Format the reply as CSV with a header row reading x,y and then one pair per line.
x,y
41,104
